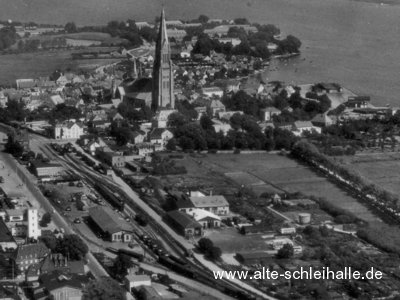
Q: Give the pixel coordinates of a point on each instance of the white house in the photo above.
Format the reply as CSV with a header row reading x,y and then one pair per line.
x,y
205,218
268,112
160,136
299,127
135,281
68,130
212,91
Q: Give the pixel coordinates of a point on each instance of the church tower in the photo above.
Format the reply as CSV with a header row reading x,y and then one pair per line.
x,y
163,77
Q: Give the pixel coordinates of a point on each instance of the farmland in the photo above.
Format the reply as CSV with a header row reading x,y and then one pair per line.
x,y
270,173
381,168
33,65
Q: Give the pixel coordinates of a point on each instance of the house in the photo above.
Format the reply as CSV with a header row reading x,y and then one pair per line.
x,y
227,115
14,215
110,157
177,34
62,80
216,204
6,239
68,130
57,261
201,110
358,102
134,281
252,88
215,107
183,224
160,136
212,92
223,127
322,120
233,41
60,286
250,258
144,149
138,136
300,127
268,112
327,88
109,223
25,83
45,169
29,254
161,118
205,218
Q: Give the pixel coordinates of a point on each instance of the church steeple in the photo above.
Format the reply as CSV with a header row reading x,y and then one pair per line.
x,y
163,79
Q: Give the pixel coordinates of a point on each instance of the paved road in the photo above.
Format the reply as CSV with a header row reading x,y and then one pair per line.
x,y
59,221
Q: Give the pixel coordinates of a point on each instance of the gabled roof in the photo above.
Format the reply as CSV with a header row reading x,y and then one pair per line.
x,y
209,201
270,109
5,234
201,214
156,133
107,219
322,119
184,220
28,251
216,104
59,279
302,124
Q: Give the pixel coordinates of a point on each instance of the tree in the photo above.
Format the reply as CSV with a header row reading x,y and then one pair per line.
x,y
104,288
121,266
73,247
285,252
176,119
70,27
50,241
46,219
171,144
205,244
203,19
214,253
13,147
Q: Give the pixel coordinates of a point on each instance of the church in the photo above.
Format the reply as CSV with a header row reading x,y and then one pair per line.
x,y
163,98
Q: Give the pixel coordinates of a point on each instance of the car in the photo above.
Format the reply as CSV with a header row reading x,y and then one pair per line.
x,y
79,184
127,219
68,208
77,221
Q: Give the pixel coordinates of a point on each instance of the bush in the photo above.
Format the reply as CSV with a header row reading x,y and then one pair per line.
x,y
46,219
285,252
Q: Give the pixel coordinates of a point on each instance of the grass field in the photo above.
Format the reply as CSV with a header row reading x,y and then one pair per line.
x,y
33,65
279,173
381,168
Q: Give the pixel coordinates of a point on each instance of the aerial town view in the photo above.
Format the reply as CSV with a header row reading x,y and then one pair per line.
x,y
199,149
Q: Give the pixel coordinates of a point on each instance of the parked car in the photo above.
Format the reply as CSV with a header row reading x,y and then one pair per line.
x,y
77,221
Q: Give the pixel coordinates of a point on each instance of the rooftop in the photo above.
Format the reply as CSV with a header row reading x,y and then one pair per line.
x,y
183,219
107,219
58,279
5,234
209,201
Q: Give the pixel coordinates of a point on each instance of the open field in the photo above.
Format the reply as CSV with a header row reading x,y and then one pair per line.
x,y
381,168
33,65
231,241
279,173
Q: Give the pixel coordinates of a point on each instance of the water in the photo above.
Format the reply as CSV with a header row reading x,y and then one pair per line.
x,y
353,43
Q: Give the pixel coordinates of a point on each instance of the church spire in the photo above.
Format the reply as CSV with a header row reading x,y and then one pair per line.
x,y
163,78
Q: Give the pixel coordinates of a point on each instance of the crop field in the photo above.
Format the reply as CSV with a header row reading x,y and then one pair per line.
x,y
34,65
381,168
278,174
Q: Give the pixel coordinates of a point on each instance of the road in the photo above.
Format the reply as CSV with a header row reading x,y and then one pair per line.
x,y
58,220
